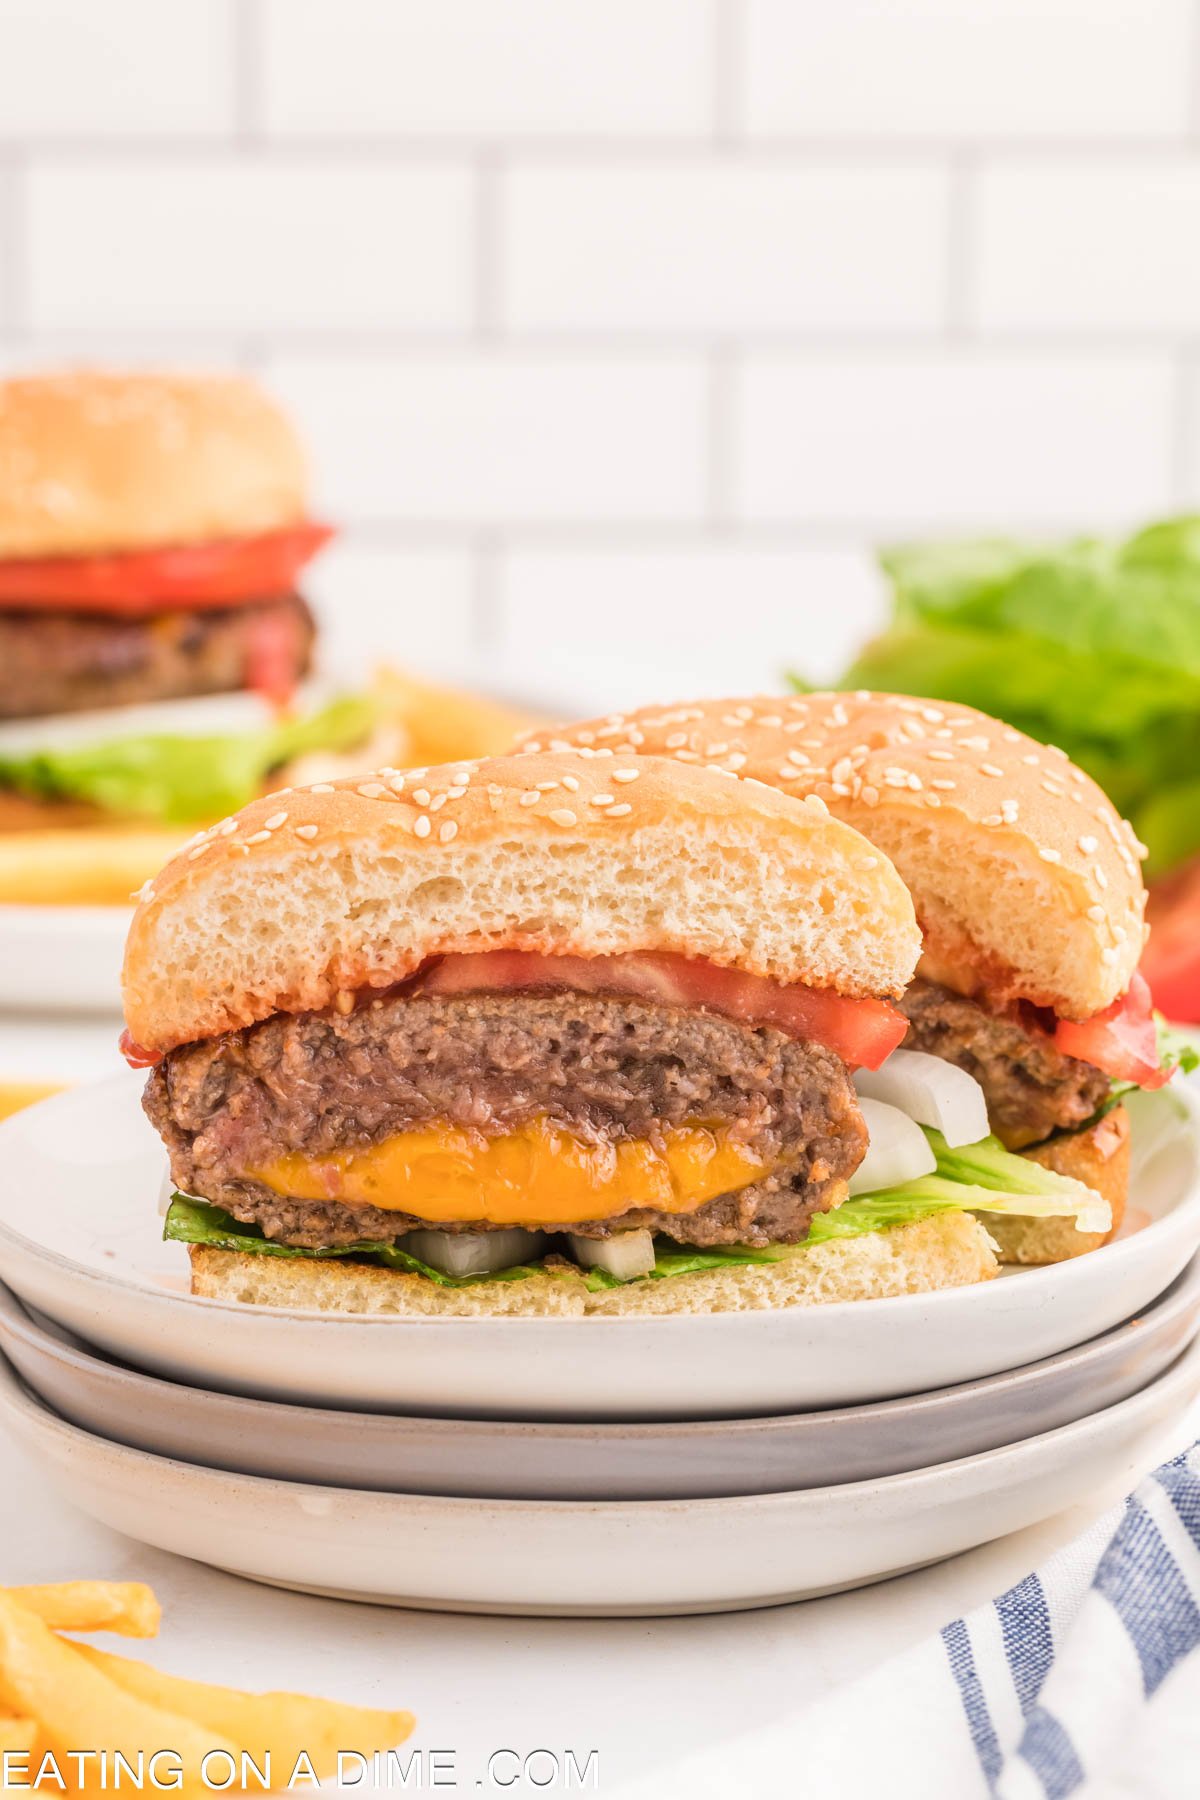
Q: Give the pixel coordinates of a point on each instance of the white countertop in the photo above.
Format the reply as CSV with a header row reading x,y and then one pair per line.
x,y
642,1693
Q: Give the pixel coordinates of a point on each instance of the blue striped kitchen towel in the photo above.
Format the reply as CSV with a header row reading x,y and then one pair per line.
x,y
1083,1679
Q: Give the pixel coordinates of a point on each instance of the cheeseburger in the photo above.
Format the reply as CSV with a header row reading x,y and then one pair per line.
x,y
541,1034
1030,903
153,529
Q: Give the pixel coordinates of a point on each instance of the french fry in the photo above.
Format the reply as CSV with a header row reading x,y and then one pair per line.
x,y
17,1735
76,1708
95,865
276,1725
16,1095
447,724
128,1608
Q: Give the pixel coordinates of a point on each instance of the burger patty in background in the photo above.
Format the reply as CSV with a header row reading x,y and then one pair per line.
x,y
61,662
1031,1088
605,1070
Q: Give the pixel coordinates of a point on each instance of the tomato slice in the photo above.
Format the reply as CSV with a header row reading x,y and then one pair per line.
x,y
147,581
135,1055
861,1032
274,656
1171,963
1121,1040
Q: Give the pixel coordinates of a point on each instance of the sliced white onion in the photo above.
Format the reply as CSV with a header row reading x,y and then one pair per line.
x,y
898,1150
627,1255
931,1091
473,1252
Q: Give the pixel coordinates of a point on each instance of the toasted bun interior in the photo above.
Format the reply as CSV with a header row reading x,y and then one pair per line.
x,y
94,461
354,884
1024,876
946,1250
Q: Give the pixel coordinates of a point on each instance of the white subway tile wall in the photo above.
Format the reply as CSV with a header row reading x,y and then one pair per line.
x,y
622,329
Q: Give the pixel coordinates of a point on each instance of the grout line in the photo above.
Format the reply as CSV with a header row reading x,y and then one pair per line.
x,y
961,245
488,244
247,38
654,347
728,54
617,533
896,151
1184,424
487,607
720,427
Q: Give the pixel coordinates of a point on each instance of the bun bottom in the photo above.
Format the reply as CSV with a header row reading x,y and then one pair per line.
x,y
946,1250
1099,1156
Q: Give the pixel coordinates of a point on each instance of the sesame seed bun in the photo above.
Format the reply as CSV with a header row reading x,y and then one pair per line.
x,y
94,461
326,890
1024,876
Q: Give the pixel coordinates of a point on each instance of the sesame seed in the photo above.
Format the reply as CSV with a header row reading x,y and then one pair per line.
x,y
447,829
1052,787
1032,759
562,815
990,769
736,760
868,862
799,758
437,803
1049,855
260,837
372,790
944,784
229,825
198,851
275,821
323,787
1008,811
786,774
306,831
421,825
421,796
1143,850
1097,913
626,774
545,787
975,743
396,783
1088,844
455,793
530,797
869,796
571,783
936,754
620,812
816,803
993,819
1108,954
602,799
1101,877
676,741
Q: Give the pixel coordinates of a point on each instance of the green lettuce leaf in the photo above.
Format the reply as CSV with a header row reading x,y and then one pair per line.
x,y
179,779
993,1179
1093,645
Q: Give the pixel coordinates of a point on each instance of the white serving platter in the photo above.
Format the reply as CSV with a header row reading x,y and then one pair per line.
x,y
593,1558
79,1240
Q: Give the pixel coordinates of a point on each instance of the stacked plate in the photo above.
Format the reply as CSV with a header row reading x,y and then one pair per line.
x,y
586,1466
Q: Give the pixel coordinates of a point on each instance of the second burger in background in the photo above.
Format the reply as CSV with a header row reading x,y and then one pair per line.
x,y
153,531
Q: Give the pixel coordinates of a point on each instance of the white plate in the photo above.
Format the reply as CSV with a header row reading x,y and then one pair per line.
x,y
63,958
587,1557
499,1459
79,1239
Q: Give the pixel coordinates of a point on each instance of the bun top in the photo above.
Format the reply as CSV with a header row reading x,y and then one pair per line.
x,y
1024,876
94,461
320,891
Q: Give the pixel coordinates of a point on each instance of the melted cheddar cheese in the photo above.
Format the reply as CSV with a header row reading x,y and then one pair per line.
x,y
541,1175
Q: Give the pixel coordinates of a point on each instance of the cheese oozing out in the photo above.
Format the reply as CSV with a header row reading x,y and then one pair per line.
x,y
541,1175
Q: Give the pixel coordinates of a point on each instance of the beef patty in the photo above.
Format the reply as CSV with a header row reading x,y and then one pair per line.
x,y
1031,1088
605,1069
53,662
